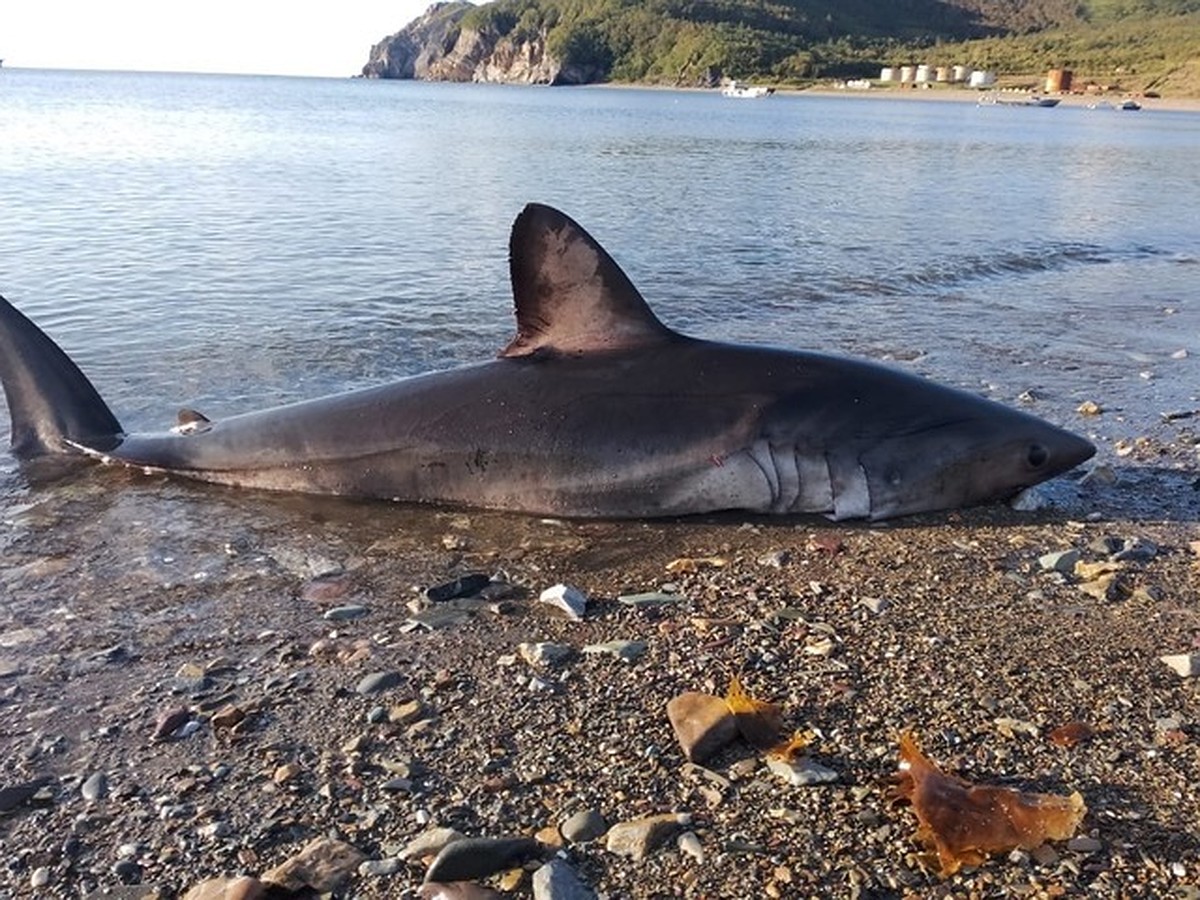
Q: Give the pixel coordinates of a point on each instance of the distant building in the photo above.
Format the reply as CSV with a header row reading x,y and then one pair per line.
x,y
943,74
982,79
1058,81
959,74
906,74
887,73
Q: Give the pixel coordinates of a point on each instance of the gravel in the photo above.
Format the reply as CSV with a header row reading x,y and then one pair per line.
x,y
294,728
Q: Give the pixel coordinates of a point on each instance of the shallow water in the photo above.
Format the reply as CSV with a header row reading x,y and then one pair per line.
x,y
227,243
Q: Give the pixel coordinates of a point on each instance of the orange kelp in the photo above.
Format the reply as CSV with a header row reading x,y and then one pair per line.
x,y
758,721
964,822
760,724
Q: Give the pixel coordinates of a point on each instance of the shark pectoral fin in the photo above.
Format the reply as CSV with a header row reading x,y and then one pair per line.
x,y
570,296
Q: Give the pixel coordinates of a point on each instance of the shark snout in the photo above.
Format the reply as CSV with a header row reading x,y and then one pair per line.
x,y
1060,451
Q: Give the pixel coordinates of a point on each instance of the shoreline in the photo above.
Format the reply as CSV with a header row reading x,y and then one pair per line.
x,y
940,95
968,95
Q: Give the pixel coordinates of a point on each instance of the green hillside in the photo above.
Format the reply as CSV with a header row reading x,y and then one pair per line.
x,y
697,41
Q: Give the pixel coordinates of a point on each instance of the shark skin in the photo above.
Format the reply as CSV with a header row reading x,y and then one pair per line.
x,y
595,409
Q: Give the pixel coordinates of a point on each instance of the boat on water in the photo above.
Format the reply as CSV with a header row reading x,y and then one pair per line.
x,y
1019,100
746,92
1130,105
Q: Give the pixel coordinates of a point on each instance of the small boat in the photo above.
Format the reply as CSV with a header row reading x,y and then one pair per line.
x,y
746,92
1018,100
1131,105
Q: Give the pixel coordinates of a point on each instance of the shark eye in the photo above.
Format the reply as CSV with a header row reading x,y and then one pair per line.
x,y
1038,456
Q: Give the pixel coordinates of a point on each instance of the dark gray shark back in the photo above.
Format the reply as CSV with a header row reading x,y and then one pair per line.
x,y
51,402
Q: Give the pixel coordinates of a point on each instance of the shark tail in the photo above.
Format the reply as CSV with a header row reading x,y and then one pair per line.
x,y
54,408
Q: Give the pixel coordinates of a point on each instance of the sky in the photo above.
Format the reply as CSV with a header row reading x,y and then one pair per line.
x,y
272,37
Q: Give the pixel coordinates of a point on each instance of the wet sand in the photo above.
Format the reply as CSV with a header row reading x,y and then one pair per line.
x,y
130,596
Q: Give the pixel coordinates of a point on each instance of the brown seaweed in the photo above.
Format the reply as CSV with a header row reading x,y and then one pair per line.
x,y
963,822
758,721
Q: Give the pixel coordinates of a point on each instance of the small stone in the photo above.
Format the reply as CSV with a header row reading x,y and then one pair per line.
x,y
776,559
471,859
570,600
430,843
557,880
803,772
876,605
243,888
406,713
127,871
543,654
321,866
1136,550
1185,665
228,716
690,845
215,830
345,613
379,868
463,586
326,588
1031,499
1045,855
584,826
641,837
651,598
1090,408
287,772
379,681
626,651
169,721
40,877
1084,844
95,788
1060,561
703,724
1099,474
459,890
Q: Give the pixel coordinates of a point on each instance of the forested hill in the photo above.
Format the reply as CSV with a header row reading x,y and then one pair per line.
x,y
698,42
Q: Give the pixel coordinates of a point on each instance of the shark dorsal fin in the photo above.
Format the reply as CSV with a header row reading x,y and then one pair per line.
x,y
570,296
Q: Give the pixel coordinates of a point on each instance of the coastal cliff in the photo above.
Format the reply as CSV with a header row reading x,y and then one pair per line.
x,y
446,44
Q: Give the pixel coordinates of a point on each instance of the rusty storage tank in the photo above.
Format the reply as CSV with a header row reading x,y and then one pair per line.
x,y
1058,81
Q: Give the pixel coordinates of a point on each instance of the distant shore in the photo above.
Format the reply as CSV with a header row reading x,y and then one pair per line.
x,y
968,95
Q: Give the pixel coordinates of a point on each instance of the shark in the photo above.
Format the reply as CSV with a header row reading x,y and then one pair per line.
x,y
594,409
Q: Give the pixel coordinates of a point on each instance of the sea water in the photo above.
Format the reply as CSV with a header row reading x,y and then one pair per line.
x,y
230,243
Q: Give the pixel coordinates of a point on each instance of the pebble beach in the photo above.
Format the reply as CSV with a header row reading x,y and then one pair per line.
x,y
314,703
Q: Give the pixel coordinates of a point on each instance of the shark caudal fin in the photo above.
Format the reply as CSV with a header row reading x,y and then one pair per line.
x,y
51,402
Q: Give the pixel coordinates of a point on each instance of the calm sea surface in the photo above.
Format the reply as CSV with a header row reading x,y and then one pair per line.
x,y
228,243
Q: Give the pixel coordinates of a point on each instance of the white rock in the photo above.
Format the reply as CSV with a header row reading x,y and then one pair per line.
x,y
803,772
569,599
690,844
1185,665
543,653
1030,500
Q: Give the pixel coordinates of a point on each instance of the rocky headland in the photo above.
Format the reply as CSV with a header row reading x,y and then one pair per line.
x,y
439,46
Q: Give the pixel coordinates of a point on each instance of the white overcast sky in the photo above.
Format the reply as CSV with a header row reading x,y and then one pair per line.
x,y
309,37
